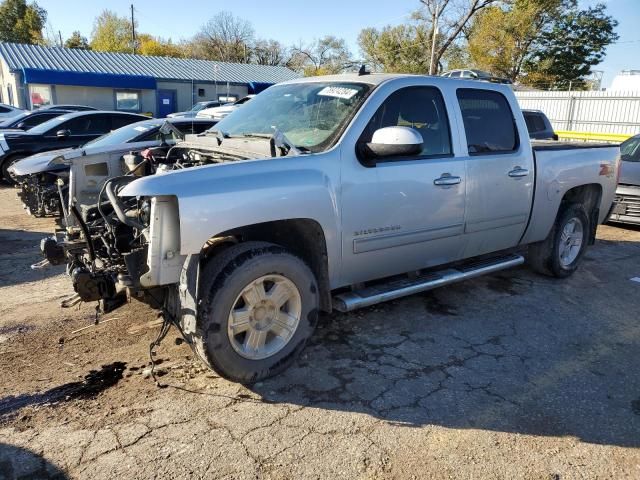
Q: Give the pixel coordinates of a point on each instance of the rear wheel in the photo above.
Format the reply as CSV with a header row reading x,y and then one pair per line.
x,y
559,254
258,308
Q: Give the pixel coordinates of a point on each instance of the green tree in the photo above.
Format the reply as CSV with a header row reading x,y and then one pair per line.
x,y
575,42
21,22
111,33
76,40
402,49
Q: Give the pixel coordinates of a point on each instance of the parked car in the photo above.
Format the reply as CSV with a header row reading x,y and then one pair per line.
x,y
64,131
8,111
196,108
539,126
43,176
335,192
626,205
73,108
27,120
472,74
218,113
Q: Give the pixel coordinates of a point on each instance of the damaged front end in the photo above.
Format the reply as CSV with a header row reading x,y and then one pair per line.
x,y
125,247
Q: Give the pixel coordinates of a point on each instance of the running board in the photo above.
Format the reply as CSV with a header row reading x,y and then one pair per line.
x,y
352,300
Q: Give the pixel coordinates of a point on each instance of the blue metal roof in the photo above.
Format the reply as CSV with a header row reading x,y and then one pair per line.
x,y
20,56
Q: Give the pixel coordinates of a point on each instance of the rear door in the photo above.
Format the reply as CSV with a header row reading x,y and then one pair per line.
x,y
500,172
405,213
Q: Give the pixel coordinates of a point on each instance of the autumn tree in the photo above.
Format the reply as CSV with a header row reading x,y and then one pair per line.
x,y
451,17
111,33
76,40
407,47
21,22
157,46
269,52
325,56
501,38
224,37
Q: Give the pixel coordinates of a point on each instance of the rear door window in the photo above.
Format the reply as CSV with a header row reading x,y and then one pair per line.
x,y
488,122
118,121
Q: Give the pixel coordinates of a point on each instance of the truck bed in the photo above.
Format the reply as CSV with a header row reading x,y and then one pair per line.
x,y
540,145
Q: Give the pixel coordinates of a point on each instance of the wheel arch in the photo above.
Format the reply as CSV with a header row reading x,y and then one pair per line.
x,y
303,237
590,196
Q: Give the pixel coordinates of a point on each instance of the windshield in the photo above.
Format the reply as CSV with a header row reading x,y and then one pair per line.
x,y
311,115
14,120
198,106
124,134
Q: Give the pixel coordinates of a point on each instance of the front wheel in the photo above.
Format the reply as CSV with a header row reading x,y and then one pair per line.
x,y
559,254
5,168
258,308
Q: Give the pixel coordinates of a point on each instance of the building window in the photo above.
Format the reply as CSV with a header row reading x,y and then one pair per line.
x,y
128,101
201,92
40,95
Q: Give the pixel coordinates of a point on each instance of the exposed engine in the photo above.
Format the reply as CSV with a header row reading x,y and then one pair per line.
x,y
42,194
109,265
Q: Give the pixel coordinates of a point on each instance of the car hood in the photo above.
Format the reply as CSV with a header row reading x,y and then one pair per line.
x,y
630,173
40,162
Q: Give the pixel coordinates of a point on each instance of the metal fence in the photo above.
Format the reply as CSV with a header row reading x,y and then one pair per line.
x,y
596,112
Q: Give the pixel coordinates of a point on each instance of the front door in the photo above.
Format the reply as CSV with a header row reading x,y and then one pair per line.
x,y
166,102
500,172
405,213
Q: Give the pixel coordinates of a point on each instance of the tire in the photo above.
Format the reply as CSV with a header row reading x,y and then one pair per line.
x,y
230,343
5,168
559,255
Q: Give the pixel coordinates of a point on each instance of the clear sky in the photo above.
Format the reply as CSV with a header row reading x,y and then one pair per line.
x,y
292,21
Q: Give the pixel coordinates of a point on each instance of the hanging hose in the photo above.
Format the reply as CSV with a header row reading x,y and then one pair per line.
x,y
118,206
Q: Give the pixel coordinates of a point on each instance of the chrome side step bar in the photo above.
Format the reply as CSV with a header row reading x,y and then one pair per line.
x,y
348,301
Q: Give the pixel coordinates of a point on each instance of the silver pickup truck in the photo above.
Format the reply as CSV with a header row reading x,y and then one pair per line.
x,y
335,193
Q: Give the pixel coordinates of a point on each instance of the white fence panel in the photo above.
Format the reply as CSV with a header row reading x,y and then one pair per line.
x,y
598,112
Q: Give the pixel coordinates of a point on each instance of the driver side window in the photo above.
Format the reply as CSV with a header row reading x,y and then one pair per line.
x,y
420,108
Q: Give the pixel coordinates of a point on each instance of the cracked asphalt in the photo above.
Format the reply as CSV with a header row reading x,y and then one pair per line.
x,y
513,375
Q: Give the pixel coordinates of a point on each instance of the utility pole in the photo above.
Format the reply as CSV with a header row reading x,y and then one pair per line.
x,y
133,31
433,40
60,36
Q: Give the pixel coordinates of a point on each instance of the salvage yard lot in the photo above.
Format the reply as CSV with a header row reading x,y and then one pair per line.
x,y
513,375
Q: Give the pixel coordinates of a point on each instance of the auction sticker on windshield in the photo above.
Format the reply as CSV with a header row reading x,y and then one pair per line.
x,y
338,92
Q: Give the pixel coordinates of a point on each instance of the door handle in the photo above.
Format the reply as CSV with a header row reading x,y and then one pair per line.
x,y
446,180
518,172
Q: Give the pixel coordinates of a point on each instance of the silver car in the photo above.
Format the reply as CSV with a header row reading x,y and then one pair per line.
x,y
626,206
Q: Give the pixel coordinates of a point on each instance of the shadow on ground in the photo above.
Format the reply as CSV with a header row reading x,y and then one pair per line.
x,y
19,463
19,249
512,352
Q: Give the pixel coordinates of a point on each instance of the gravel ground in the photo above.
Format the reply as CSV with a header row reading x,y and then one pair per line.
x,y
513,375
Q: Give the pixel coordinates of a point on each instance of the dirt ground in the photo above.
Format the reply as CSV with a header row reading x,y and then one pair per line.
x,y
508,376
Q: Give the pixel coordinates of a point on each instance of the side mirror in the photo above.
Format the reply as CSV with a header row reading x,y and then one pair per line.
x,y
20,125
63,133
394,142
